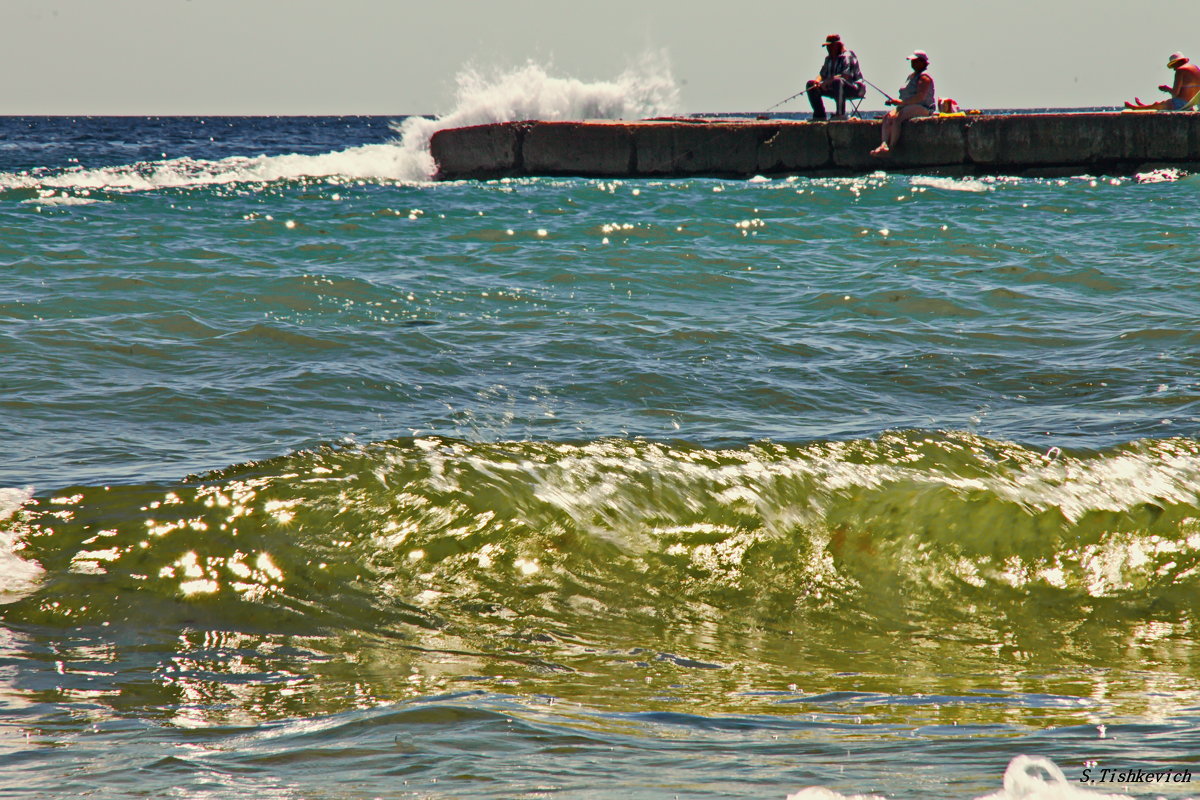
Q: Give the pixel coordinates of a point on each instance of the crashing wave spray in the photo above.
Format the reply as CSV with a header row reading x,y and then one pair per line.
x,y
528,92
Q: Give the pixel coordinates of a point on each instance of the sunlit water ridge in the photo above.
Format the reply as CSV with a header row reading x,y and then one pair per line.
x,y
572,557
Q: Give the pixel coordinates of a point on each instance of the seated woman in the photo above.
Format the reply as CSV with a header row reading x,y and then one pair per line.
x,y
1187,83
918,98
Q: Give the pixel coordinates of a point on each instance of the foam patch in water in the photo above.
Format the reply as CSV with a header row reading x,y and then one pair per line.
x,y
18,577
1166,175
953,184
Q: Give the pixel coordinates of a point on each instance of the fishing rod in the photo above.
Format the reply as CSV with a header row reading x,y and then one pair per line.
x,y
781,102
802,91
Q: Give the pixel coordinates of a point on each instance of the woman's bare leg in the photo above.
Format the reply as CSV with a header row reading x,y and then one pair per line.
x,y
889,122
903,114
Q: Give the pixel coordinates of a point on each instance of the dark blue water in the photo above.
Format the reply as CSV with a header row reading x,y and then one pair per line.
x,y
60,143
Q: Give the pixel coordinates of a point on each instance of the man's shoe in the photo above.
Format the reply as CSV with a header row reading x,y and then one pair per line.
x,y
839,117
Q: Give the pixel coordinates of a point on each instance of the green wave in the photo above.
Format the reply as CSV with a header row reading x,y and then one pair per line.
x,y
334,536
409,565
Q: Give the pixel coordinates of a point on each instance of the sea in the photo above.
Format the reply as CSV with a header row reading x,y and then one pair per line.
x,y
324,480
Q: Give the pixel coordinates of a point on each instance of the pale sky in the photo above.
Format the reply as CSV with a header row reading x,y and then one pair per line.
x,y
395,57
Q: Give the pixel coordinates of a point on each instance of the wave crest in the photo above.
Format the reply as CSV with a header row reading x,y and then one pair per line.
x,y
908,519
566,559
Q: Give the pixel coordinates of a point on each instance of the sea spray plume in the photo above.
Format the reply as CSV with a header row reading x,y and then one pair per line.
x,y
530,92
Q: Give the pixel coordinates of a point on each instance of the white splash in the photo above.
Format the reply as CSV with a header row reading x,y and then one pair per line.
x,y
820,793
1165,175
18,577
952,184
1037,778
528,92
50,197
1027,778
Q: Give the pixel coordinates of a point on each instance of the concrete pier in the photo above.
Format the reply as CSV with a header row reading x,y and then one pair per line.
x,y
1034,144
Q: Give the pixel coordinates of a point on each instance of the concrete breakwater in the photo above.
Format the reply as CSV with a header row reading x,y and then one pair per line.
x,y
1032,144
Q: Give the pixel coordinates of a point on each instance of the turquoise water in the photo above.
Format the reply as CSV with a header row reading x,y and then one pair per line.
x,y
321,480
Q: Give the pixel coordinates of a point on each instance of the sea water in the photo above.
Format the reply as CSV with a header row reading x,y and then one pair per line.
x,y
324,480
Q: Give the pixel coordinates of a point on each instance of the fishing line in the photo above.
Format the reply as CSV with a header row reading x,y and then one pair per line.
x,y
876,88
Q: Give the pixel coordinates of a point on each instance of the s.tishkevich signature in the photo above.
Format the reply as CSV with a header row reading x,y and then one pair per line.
x,y
1135,775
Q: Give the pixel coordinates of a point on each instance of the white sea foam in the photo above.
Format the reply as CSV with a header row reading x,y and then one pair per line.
x,y
528,92
952,184
1165,175
819,793
1027,778
50,197
18,577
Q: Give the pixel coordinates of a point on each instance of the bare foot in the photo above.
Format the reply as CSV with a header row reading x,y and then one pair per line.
x,y
881,151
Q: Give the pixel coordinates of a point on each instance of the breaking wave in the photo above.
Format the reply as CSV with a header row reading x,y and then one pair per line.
x,y
564,565
527,92
416,527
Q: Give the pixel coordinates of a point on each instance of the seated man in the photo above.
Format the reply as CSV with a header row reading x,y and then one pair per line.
x,y
1187,84
840,79
918,98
